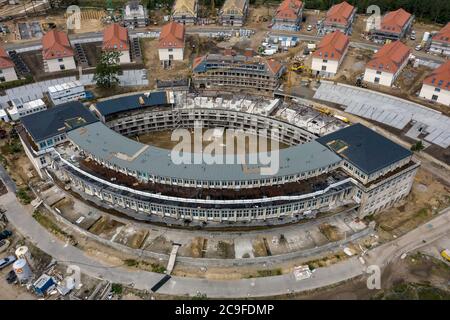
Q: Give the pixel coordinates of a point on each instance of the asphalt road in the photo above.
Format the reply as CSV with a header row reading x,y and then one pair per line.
x,y
22,220
9,183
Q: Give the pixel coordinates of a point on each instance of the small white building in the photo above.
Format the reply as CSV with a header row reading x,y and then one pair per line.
x,y
135,14
57,52
387,64
7,71
19,109
3,116
171,42
115,38
329,54
65,92
436,87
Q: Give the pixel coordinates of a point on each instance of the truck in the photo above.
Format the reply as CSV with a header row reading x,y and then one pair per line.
x,y
446,254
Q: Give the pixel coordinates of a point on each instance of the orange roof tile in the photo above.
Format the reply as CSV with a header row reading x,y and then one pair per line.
x,y
55,44
440,77
5,60
273,65
171,36
339,13
115,37
394,21
390,57
288,9
443,35
332,46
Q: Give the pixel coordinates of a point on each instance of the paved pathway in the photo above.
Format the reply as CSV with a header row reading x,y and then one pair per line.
x,y
257,287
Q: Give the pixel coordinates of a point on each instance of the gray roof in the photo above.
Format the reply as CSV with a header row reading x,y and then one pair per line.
x,y
97,139
365,148
54,121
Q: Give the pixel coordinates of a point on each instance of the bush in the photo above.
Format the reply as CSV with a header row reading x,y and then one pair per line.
x,y
116,288
23,196
15,83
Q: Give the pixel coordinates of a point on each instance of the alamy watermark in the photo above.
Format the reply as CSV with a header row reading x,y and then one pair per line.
x,y
230,146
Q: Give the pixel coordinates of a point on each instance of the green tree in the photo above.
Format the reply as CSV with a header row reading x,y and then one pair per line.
x,y
418,146
107,70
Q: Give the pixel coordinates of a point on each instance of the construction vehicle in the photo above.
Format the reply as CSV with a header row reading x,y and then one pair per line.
x,y
299,66
343,119
446,254
324,110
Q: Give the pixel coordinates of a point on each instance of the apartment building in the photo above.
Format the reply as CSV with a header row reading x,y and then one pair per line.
x,y
171,42
440,42
233,13
135,14
436,87
329,54
387,64
185,11
57,52
115,38
394,26
339,17
288,15
7,71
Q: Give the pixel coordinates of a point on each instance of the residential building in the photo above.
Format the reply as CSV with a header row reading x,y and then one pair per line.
x,y
66,92
233,12
339,17
329,54
436,87
115,38
3,115
387,63
135,14
7,71
171,42
393,26
57,52
185,11
236,72
288,15
42,131
440,42
20,109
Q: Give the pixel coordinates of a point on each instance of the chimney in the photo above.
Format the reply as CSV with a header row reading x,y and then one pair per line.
x,y
248,52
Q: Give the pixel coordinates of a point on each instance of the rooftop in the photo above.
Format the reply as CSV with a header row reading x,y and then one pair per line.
x,y
55,44
394,21
185,6
115,37
131,102
289,9
102,142
171,36
57,120
332,46
234,7
443,35
5,60
440,77
364,148
339,13
390,57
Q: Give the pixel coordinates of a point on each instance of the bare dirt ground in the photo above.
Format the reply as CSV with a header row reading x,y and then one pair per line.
x,y
428,196
353,65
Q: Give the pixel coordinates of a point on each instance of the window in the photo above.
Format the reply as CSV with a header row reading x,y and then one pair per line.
x,y
376,80
434,97
62,67
324,61
324,68
437,89
60,60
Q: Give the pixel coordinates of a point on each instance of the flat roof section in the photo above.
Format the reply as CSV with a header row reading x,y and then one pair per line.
x,y
364,148
127,103
57,120
104,143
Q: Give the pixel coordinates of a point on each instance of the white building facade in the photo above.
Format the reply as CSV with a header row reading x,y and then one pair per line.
x,y
70,91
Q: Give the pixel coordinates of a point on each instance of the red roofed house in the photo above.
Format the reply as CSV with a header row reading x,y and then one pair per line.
x,y
115,38
171,42
288,15
7,71
394,26
329,54
387,63
339,17
440,42
436,87
57,52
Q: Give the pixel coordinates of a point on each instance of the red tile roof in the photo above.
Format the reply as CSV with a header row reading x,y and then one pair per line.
x,y
288,9
332,46
390,57
440,77
55,44
394,21
274,66
339,13
443,35
171,36
5,60
115,37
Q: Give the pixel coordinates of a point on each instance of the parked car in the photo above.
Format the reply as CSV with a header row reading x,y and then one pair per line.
x,y
309,28
7,261
418,47
413,37
11,277
5,234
